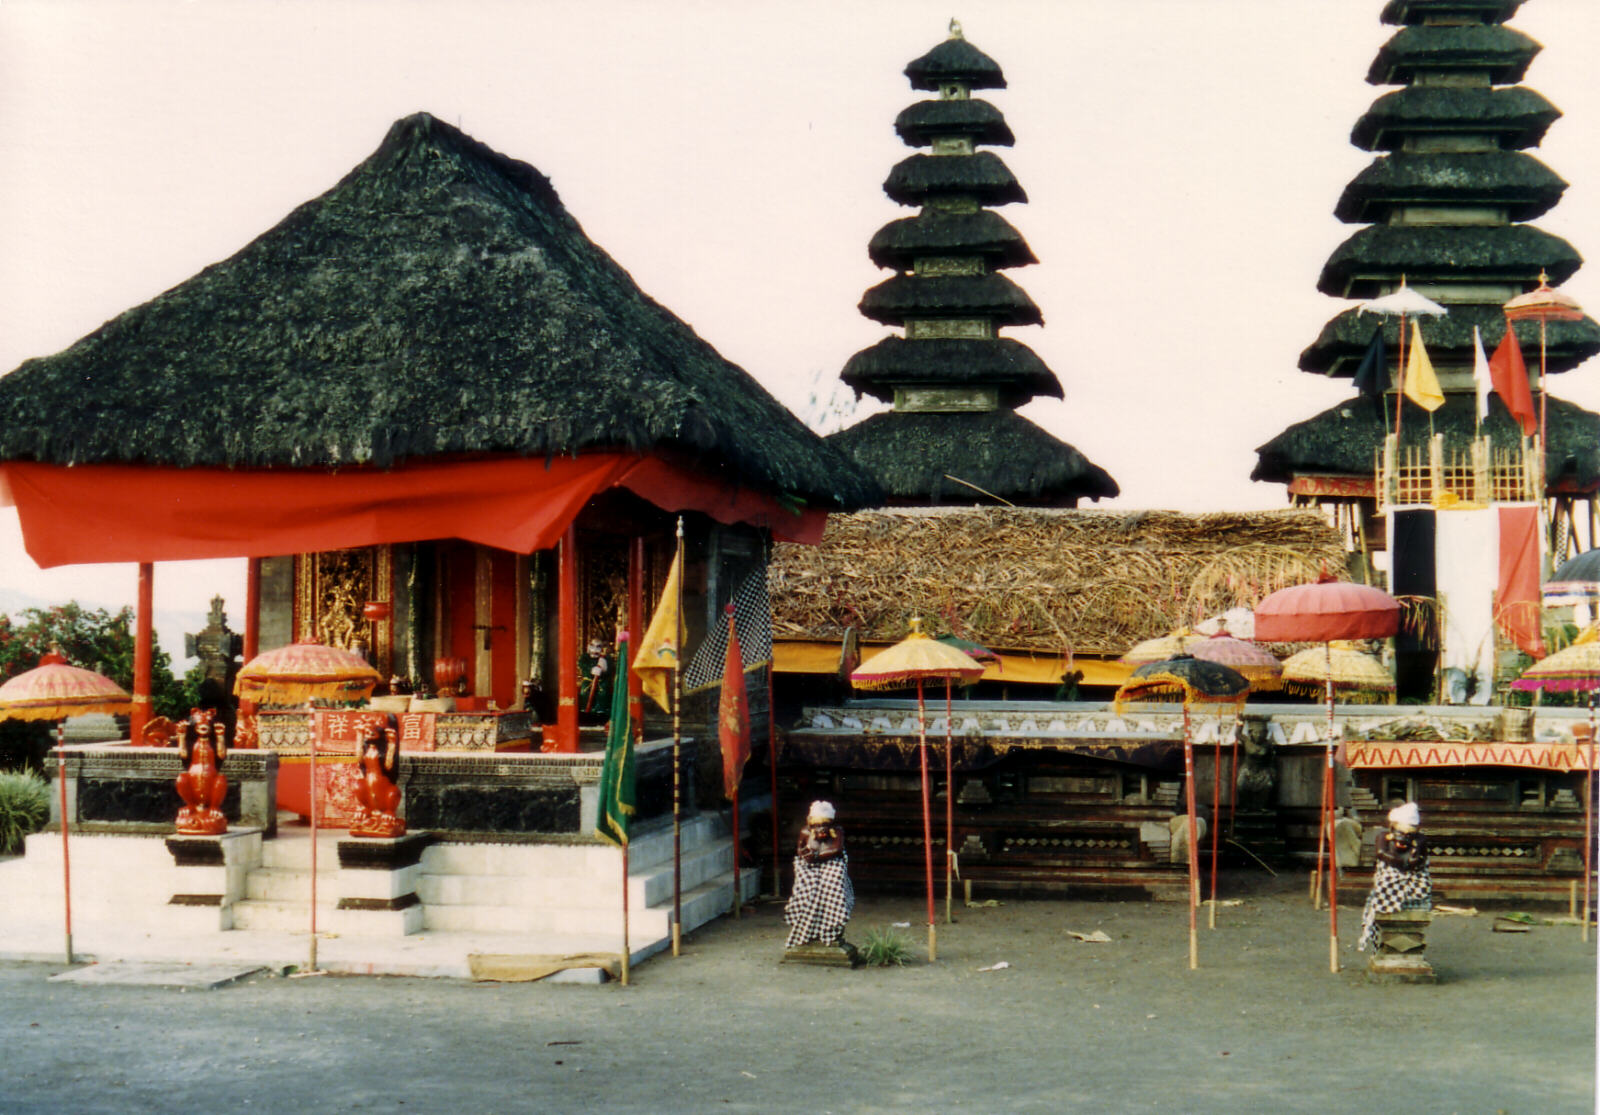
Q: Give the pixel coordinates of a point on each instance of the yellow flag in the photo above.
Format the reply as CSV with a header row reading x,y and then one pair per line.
x,y
658,652
1422,386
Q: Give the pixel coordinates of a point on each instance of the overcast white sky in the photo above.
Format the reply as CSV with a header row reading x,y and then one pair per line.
x,y
1181,159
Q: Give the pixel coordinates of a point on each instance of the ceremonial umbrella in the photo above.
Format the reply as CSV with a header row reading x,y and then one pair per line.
x,y
300,673
917,659
1576,579
1192,679
1575,669
54,690
1542,304
1402,303
1321,613
1347,669
1160,649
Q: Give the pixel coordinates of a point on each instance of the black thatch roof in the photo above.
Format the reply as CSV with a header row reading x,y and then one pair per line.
x,y
1517,116
912,456
1383,253
1415,11
1520,182
894,362
1345,439
927,296
438,300
1503,52
1339,348
926,121
982,175
935,232
955,60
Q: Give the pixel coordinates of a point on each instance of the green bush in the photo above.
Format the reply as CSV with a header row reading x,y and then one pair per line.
x,y
24,808
884,948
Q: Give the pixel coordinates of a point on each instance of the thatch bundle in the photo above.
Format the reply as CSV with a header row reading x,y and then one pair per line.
x,y
1040,580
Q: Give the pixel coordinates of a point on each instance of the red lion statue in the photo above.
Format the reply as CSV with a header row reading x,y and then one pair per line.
x,y
376,789
202,747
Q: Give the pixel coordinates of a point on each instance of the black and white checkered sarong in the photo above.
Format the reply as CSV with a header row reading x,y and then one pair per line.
x,y
821,903
1392,890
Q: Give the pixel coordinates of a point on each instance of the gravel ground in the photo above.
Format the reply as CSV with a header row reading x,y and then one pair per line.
x,y
1123,1025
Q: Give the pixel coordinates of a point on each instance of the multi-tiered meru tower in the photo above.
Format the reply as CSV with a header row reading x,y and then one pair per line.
x,y
1443,206
954,435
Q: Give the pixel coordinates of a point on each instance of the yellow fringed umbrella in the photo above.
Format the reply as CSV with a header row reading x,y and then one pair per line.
x,y
913,661
55,690
1161,648
306,671
1351,672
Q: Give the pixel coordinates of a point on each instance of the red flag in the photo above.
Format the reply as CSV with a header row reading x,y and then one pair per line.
x,y
733,715
1517,600
1510,376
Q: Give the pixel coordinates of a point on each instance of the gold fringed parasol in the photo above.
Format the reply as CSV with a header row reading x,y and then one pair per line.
x,y
1161,648
1352,672
306,671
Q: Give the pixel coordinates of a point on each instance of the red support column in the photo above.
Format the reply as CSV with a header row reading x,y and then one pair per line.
x,y
637,622
567,644
252,608
143,640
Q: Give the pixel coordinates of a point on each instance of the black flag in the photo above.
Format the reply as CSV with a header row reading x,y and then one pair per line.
x,y
1372,375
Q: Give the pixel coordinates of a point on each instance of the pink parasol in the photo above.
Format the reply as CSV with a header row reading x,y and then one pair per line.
x,y
1542,304
1263,671
54,690
1321,613
912,661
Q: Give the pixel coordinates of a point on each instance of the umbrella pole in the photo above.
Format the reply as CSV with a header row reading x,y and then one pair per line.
x,y
1327,785
625,947
772,762
927,820
1194,844
1216,807
949,802
1589,805
1333,873
66,866
312,779
1233,778
677,757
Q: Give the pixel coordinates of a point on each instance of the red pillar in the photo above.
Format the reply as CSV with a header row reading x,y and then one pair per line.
x,y
636,625
567,644
252,609
143,640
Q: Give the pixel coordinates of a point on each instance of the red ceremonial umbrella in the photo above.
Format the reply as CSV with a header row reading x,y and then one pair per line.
x,y
1194,680
916,659
54,690
1575,669
300,673
1321,613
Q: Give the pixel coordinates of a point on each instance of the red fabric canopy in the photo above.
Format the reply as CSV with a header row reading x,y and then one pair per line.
x,y
1325,611
130,513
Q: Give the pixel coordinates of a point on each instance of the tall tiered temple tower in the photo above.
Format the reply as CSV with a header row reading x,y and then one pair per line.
x,y
954,435
1443,207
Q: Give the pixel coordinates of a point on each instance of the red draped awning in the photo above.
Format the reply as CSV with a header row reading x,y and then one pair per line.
x,y
131,513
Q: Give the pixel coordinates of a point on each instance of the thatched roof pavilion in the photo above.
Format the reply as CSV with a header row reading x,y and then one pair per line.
x,y
429,373
954,434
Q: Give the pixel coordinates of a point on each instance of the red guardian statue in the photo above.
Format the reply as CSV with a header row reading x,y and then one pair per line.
x,y
202,747
376,788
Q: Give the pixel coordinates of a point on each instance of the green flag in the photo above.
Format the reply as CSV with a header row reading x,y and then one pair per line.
x,y
616,776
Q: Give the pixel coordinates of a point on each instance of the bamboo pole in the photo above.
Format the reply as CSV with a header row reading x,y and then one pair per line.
x,y
1588,819
1328,812
66,864
626,949
677,756
949,800
311,776
1216,814
927,819
1194,844
772,763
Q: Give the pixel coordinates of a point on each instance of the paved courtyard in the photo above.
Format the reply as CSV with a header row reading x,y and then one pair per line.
x,y
1068,1025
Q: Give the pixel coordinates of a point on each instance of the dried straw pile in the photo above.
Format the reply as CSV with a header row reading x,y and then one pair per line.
x,y
1040,580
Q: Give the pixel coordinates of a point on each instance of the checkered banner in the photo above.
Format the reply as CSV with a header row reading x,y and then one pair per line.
x,y
752,618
